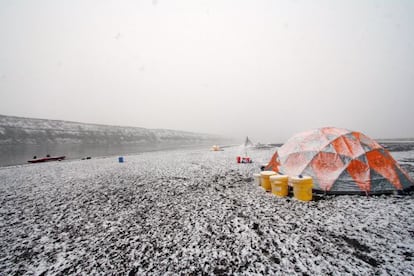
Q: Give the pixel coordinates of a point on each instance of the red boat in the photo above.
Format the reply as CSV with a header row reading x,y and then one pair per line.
x,y
46,159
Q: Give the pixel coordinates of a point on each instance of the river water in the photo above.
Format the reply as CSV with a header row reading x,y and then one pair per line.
x,y
20,154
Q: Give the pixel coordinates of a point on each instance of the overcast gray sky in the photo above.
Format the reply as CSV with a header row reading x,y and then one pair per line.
x,y
262,68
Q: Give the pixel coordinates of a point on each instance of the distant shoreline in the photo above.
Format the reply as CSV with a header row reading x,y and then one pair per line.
x,y
15,155
396,140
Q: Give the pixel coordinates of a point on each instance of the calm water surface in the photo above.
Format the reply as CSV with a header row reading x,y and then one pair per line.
x,y
20,154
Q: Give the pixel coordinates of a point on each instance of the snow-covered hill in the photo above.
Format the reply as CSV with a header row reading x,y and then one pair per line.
x,y
18,130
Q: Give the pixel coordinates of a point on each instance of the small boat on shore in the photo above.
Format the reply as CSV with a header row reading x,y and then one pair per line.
x,y
47,159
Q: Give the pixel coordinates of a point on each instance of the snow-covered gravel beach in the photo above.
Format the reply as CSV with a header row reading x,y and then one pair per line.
x,y
191,212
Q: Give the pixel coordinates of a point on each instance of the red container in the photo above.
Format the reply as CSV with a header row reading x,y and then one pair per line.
x,y
238,159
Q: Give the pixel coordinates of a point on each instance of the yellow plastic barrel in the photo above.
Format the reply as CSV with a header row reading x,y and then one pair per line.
x,y
302,187
257,179
279,185
265,179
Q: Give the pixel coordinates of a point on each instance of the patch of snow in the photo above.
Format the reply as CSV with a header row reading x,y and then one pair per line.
x,y
190,211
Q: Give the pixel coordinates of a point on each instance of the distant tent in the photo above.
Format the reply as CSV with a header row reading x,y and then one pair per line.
x,y
248,143
341,162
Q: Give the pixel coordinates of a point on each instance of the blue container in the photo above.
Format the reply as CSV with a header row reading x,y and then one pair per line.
x,y
121,159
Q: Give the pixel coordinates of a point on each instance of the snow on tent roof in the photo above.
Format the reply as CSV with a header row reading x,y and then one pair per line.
x,y
341,161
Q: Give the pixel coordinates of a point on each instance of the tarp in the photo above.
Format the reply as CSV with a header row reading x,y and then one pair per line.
x,y
341,161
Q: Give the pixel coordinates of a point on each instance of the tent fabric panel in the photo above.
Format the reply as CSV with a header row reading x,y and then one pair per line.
x,y
296,162
380,184
362,158
333,132
346,160
309,154
274,164
348,146
346,185
308,171
406,183
301,135
360,173
329,148
314,142
289,147
404,175
384,165
366,148
327,167
371,143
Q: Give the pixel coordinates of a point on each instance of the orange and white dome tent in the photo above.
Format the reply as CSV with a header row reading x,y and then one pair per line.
x,y
341,162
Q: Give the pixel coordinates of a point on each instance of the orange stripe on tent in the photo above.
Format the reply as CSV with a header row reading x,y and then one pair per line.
x,y
360,172
327,167
274,163
348,147
384,165
351,162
